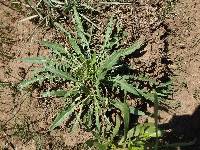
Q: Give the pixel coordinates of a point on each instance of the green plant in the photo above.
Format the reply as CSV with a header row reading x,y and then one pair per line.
x,y
49,11
136,138
90,82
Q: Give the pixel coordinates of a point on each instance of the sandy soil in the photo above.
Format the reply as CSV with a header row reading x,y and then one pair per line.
x,y
173,48
25,118
184,48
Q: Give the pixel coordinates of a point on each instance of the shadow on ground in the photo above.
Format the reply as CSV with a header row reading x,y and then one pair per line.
x,y
184,132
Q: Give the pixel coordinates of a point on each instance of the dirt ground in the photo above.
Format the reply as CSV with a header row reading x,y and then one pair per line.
x,y
173,46
25,118
184,48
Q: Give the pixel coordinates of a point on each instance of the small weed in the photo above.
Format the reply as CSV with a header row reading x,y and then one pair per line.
x,y
49,11
95,86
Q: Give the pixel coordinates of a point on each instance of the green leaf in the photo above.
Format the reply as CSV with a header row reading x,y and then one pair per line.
x,y
147,130
35,60
88,117
131,89
59,93
78,118
135,111
124,108
101,146
72,41
147,95
126,87
80,29
111,60
108,33
127,51
62,116
114,57
26,83
97,111
166,84
56,48
60,73
117,126
76,47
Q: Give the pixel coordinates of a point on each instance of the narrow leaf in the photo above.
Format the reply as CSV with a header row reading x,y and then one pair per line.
x,y
124,108
147,95
62,116
80,29
131,89
60,73
97,111
127,51
126,87
114,57
117,126
108,33
26,83
76,48
58,93
35,60
56,48
72,41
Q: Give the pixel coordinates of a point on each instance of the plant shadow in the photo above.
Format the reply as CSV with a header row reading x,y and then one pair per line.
x,y
184,132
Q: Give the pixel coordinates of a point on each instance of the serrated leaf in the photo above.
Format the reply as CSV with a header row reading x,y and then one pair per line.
x,y
72,41
147,95
146,78
4,84
111,60
80,29
127,51
131,89
76,48
61,28
88,117
116,128
108,33
166,84
62,116
124,108
124,85
97,111
78,118
58,93
35,60
26,83
60,73
114,57
55,48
